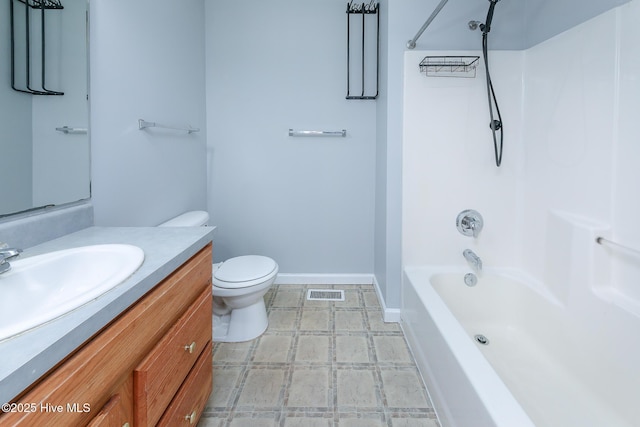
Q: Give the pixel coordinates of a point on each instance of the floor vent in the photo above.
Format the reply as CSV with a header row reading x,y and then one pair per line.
x,y
325,295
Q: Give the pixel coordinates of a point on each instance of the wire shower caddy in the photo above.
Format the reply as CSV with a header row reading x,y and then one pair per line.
x,y
449,66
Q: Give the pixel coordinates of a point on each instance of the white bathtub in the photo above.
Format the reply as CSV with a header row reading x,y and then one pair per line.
x,y
546,364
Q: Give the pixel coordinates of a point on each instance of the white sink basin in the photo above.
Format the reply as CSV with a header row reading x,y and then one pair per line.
x,y
43,287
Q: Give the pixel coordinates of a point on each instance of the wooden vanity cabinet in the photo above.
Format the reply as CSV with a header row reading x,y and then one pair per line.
x,y
139,368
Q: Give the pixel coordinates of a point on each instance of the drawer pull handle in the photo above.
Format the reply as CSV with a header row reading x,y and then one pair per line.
x,y
126,425
190,347
191,417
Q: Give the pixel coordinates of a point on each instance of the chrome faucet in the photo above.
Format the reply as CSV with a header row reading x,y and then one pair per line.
x,y
474,260
5,254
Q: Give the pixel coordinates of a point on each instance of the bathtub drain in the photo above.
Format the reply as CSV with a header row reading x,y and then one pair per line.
x,y
470,279
482,339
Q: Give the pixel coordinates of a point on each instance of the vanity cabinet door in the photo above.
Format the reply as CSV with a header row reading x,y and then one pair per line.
x,y
118,412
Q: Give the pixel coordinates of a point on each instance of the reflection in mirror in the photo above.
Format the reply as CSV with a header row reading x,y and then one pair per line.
x,y
39,165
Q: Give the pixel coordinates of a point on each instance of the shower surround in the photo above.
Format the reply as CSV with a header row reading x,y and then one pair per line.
x,y
568,175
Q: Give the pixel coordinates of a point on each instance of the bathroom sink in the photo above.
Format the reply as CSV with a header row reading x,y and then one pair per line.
x,y
44,287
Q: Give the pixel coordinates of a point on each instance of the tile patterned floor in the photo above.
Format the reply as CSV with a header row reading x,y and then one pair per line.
x,y
319,364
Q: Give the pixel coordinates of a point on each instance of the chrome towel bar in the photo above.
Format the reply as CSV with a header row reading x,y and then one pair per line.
x,y
68,130
607,242
143,124
341,133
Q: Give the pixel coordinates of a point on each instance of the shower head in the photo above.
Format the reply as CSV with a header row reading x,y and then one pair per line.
x,y
486,27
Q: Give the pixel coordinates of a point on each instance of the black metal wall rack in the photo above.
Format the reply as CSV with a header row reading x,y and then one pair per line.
x,y
30,6
366,12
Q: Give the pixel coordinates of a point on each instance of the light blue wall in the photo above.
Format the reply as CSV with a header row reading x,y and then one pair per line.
x,y
380,226
388,229
306,202
147,62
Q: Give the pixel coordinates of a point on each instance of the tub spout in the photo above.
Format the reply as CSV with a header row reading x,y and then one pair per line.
x,y
474,260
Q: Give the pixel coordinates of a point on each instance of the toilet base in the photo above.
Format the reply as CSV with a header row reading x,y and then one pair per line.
x,y
242,324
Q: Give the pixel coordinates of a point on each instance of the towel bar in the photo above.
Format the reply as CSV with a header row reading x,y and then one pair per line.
x,y
341,133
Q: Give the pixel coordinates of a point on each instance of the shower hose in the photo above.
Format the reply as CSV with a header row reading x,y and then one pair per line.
x,y
495,124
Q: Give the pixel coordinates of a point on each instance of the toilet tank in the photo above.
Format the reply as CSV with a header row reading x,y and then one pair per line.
x,y
188,219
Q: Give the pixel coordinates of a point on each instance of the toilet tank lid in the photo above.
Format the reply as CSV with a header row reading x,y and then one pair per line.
x,y
188,219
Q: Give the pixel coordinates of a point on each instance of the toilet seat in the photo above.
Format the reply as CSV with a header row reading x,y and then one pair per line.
x,y
244,271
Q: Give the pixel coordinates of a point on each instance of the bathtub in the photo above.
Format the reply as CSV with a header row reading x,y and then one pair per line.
x,y
543,365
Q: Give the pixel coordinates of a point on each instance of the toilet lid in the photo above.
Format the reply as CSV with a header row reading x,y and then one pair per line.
x,y
244,269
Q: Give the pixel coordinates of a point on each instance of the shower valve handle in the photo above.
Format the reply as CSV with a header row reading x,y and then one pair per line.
x,y
469,222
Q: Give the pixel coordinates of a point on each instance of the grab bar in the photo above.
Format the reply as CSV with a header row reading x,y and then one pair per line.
x,y
68,130
603,241
143,124
341,133
412,43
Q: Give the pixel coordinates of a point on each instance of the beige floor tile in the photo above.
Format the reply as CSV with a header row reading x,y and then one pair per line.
x,y
287,298
253,422
403,389
282,320
262,388
231,352
350,321
273,348
313,348
226,383
370,299
317,304
314,320
414,422
362,422
392,349
352,349
210,422
377,323
356,389
292,421
351,299
309,388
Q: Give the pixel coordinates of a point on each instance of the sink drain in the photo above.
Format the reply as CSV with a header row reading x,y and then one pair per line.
x,y
482,339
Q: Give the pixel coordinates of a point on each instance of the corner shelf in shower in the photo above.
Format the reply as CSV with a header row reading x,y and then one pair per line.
x,y
449,66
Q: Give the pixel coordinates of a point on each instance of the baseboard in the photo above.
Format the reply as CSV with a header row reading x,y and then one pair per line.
x,y
324,279
390,315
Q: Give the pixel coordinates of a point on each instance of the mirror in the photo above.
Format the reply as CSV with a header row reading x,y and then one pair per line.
x,y
44,140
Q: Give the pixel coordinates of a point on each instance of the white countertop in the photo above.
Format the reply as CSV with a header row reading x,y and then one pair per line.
x,y
26,357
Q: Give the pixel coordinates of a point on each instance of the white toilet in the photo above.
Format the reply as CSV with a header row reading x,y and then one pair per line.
x,y
239,286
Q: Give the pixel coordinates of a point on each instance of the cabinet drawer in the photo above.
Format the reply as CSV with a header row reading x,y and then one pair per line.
x,y
160,374
190,401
